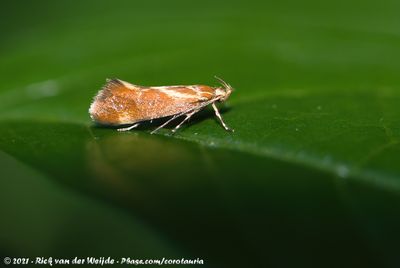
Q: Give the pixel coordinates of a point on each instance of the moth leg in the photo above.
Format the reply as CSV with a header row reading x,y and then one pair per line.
x,y
128,128
220,117
188,115
166,123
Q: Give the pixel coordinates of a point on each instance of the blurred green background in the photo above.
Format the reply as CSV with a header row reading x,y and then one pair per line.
x,y
309,178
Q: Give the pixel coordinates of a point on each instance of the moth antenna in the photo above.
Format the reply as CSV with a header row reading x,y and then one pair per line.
x,y
225,84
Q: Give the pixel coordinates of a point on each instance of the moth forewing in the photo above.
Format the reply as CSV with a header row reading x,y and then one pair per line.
x,y
120,103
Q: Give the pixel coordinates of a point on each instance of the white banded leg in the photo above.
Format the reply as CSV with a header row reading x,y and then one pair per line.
x,y
166,123
128,128
188,115
220,117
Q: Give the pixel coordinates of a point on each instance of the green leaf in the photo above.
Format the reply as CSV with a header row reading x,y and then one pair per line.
x,y
310,177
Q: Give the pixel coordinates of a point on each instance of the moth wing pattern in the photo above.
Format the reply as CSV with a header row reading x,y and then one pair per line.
x,y
122,103
115,103
158,102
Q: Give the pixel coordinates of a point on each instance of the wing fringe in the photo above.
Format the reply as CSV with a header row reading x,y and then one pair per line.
x,y
115,82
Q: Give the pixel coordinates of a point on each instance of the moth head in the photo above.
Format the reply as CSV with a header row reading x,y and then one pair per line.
x,y
225,91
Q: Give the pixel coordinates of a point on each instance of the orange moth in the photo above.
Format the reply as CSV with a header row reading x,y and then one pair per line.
x,y
120,103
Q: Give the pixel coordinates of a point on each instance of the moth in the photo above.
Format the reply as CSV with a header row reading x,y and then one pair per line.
x,y
120,103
